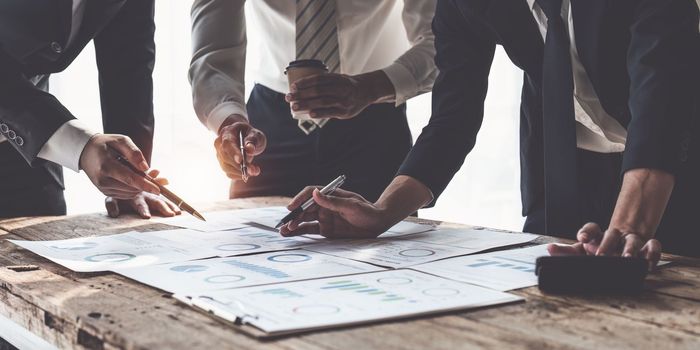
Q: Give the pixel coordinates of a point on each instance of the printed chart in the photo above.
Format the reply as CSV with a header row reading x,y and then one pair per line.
x,y
131,249
249,270
478,239
503,270
389,252
311,304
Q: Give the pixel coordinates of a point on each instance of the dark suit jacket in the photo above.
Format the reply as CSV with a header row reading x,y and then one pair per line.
x,y
642,57
33,44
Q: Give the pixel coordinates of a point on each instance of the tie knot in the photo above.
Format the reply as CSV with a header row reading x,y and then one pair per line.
x,y
551,8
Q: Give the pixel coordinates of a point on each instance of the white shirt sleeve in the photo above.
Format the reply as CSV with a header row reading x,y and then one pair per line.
x,y
217,69
414,72
66,145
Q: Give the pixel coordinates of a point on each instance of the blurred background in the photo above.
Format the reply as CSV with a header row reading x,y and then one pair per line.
x,y
485,192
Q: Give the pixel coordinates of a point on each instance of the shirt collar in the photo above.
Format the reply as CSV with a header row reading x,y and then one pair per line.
x,y
531,3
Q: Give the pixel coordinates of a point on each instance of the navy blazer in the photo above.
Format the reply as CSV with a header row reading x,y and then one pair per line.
x,y
33,44
642,56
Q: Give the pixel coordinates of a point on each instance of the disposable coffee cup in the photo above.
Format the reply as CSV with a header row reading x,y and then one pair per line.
x,y
300,69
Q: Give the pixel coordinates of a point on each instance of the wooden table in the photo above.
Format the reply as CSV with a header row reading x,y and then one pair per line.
x,y
106,311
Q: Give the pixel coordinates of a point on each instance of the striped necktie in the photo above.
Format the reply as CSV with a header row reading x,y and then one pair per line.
x,y
317,38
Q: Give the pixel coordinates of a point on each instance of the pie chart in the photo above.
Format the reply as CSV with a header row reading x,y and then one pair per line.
x,y
110,257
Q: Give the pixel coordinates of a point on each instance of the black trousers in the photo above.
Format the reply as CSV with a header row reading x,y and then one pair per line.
x,y
27,191
368,149
599,184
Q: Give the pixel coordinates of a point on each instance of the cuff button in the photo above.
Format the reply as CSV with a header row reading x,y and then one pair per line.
x,y
11,135
19,141
56,47
4,128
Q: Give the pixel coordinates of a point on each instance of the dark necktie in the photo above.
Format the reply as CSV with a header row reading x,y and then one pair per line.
x,y
561,197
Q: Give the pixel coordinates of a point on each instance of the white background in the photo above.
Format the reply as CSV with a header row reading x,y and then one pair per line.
x,y
485,192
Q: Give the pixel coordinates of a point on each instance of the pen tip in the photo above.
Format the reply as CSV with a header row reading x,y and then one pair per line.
x,y
198,216
280,224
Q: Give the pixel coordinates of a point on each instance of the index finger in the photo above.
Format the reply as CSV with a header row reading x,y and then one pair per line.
x,y
302,197
313,80
128,178
255,142
129,151
611,242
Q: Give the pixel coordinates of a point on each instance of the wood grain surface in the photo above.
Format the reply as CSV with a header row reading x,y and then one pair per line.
x,y
108,311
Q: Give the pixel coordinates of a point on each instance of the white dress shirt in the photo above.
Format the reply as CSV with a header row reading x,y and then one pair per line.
x,y
596,130
66,145
371,35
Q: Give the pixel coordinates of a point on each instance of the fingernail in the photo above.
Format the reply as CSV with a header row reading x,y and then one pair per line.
x,y
627,255
584,236
143,166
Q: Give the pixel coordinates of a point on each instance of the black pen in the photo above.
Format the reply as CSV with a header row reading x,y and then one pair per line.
x,y
164,191
330,188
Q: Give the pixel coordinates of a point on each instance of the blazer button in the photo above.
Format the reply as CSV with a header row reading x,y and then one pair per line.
x,y
4,128
11,135
56,47
19,141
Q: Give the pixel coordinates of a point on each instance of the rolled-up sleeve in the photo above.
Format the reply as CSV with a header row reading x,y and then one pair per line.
x,y
217,68
414,72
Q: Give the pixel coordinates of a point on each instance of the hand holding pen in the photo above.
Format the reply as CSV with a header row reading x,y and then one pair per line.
x,y
236,147
296,212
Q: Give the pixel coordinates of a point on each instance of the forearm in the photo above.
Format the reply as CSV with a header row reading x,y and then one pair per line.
x,y
403,197
642,201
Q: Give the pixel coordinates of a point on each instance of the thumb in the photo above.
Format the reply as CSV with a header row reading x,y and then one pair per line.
x,y
112,206
333,203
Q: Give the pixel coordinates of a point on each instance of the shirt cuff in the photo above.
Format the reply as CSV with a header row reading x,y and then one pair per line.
x,y
405,84
218,115
66,145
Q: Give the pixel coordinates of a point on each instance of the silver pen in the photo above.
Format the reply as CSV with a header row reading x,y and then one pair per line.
x,y
330,188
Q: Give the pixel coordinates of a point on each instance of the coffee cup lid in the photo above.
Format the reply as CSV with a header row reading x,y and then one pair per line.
x,y
306,63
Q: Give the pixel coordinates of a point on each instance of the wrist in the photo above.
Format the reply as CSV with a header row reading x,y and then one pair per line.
x,y
403,197
642,201
376,87
232,119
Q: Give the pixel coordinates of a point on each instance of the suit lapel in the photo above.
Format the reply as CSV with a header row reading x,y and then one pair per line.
x,y
518,33
588,21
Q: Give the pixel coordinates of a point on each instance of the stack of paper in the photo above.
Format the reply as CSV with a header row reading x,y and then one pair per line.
x,y
242,271
502,270
347,300
90,254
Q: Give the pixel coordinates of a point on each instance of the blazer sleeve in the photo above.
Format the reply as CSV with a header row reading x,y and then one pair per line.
x,y
463,57
28,113
125,53
663,63
217,69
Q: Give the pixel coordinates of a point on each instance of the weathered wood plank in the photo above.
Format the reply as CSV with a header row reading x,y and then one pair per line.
x,y
108,311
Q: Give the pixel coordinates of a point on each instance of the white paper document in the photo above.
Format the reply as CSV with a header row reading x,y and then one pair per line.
x,y
393,253
347,300
90,254
243,271
248,240
216,221
502,270
480,239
